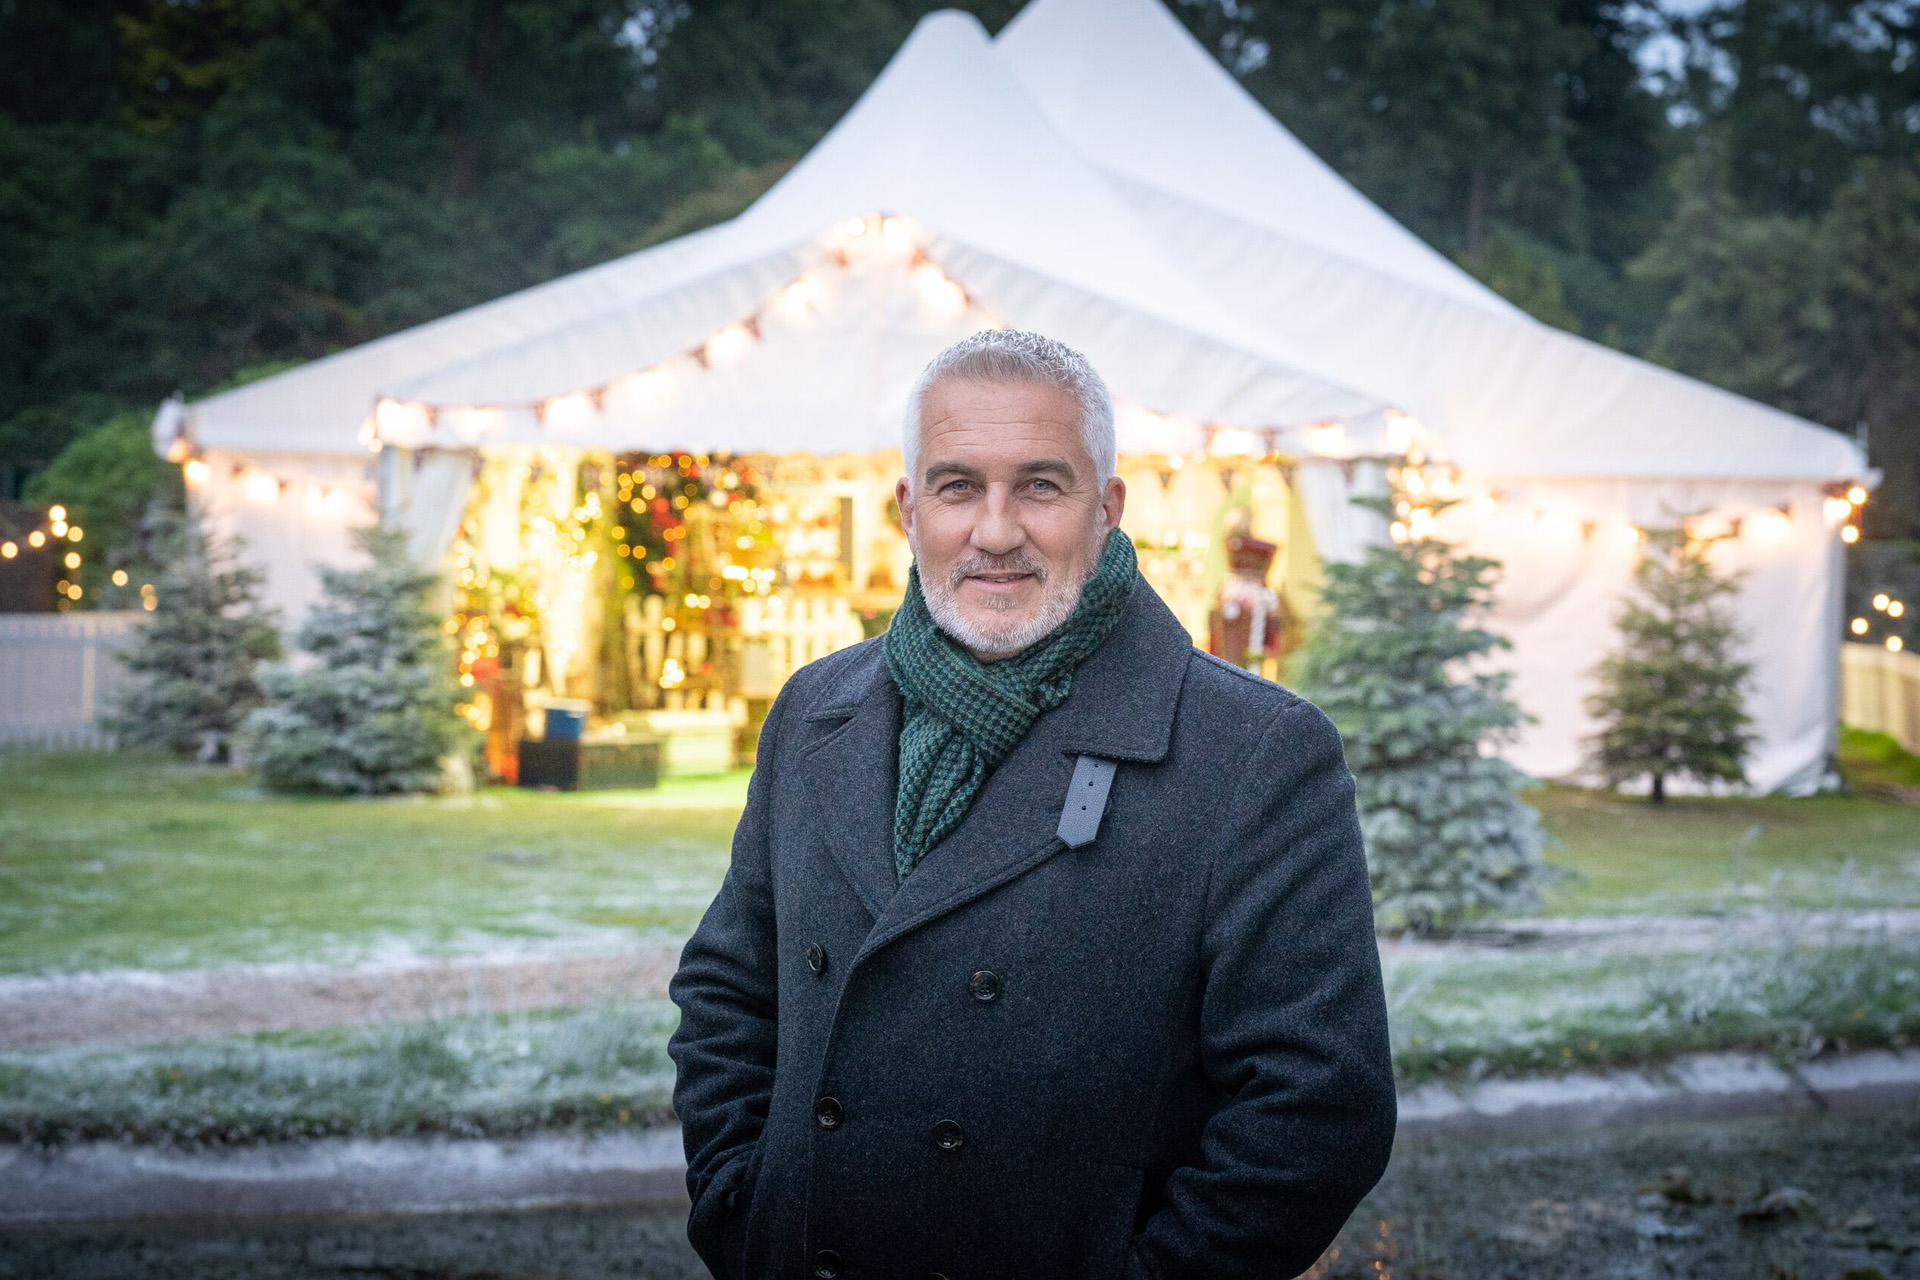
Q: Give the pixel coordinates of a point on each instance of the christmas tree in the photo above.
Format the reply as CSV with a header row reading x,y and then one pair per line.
x,y
375,714
1670,703
197,659
1446,832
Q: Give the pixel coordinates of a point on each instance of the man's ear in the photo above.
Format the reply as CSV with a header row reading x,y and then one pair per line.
x,y
1113,502
903,498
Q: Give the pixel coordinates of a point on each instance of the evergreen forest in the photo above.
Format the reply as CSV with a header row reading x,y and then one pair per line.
x,y
194,192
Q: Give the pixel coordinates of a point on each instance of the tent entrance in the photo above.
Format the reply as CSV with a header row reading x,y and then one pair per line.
x,y
670,595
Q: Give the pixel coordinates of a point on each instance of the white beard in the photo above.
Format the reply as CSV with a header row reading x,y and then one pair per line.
x,y
987,641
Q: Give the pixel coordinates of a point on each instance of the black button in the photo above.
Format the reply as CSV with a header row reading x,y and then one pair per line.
x,y
948,1136
985,986
828,1265
816,957
829,1113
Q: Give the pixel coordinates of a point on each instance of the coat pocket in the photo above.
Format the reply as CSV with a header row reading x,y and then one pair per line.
x,y
1111,1223
736,1228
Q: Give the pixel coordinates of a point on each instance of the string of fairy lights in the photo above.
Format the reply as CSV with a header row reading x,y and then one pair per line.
x,y
1888,608
414,423
882,238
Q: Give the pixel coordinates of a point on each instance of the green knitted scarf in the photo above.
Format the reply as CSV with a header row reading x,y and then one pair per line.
x,y
961,717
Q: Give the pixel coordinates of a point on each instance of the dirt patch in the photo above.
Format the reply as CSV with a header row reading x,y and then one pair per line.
x,y
119,1007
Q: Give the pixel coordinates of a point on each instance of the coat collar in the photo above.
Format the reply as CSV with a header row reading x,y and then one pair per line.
x,y
1121,707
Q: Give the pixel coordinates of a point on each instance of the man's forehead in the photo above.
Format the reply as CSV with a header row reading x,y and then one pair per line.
x,y
1008,422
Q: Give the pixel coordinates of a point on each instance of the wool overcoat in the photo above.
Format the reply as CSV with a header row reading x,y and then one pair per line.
x,y
1162,1054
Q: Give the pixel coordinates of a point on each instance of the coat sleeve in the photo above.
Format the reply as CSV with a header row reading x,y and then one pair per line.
x,y
727,990
1293,1026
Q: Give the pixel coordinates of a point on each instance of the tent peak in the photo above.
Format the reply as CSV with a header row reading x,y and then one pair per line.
x,y
1131,87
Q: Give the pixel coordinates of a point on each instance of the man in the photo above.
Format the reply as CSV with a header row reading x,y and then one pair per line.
x,y
1046,949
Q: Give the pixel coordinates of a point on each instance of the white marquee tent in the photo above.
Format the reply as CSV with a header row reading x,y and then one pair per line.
x,y
1096,176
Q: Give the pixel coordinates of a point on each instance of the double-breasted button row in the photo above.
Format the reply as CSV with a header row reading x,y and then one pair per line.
x,y
816,958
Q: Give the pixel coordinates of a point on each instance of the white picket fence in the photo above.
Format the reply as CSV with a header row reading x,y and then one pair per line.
x,y
59,676
1880,691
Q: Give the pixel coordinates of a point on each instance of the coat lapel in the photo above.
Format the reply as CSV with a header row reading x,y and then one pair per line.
x,y
850,763
1120,708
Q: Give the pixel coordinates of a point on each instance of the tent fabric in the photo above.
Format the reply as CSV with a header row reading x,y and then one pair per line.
x,y
1502,397
320,407
1139,96
1309,262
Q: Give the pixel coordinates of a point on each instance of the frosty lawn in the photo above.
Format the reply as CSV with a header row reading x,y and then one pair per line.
x,y
128,861
1459,1017
123,861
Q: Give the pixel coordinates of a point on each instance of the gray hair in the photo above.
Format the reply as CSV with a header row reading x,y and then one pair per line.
x,y
1015,355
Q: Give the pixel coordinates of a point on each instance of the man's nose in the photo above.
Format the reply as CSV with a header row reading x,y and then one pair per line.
x,y
997,532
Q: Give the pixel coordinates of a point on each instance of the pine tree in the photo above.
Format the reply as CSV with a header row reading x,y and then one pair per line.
x,y
375,714
196,661
1446,832
1670,703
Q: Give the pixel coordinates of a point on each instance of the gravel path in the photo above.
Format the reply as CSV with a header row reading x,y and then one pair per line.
x,y
136,1007
1633,935
140,1006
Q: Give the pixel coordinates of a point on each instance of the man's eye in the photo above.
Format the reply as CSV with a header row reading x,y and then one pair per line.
x,y
955,486
1046,486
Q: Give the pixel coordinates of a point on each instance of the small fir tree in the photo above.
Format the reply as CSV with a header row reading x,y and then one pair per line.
x,y
375,714
1446,832
196,662
1670,702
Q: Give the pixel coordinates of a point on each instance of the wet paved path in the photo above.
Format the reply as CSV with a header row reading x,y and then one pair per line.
x,y
1816,1198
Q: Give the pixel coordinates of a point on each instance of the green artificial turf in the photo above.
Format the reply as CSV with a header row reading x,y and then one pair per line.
x,y
125,860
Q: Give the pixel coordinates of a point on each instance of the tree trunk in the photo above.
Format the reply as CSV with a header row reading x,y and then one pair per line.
x,y
1477,199
1659,795
465,158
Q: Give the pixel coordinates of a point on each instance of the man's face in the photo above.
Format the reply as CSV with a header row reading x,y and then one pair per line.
x,y
1006,515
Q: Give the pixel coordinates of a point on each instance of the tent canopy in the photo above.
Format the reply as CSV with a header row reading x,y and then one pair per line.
x,y
1295,252
987,205
1096,175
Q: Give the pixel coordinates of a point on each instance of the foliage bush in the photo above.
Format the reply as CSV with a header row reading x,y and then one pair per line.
x,y
1447,834
1670,703
196,661
375,714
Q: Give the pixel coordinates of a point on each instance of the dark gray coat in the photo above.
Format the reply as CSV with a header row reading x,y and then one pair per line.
x,y
1163,1054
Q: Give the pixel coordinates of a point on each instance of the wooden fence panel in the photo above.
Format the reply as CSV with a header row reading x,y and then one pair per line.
x,y
1880,691
59,676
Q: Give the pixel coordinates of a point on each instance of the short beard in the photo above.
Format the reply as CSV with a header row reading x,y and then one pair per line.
x,y
989,643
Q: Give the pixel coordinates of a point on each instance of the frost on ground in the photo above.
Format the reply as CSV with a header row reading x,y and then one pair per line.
x,y
496,1076
1476,1013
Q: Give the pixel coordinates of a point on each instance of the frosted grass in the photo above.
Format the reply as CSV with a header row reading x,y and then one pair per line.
x,y
498,1076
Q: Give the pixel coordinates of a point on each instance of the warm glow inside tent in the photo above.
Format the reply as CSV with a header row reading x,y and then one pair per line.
x,y
1095,176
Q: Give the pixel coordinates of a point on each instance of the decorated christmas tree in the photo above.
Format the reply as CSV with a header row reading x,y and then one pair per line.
x,y
1670,703
375,713
196,662
1447,835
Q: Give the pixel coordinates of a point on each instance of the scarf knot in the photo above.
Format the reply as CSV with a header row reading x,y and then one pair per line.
x,y
961,717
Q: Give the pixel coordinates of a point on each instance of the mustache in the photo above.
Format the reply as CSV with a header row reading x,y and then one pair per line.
x,y
1012,562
